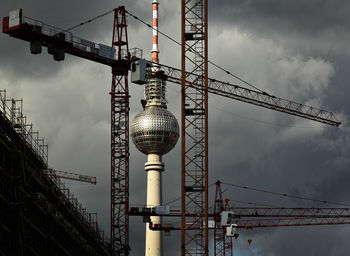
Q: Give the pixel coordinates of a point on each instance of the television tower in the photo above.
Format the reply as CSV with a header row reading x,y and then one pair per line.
x,y
154,132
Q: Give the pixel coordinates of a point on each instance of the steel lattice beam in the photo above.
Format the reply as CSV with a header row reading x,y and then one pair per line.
x,y
222,243
254,97
72,176
291,222
272,212
120,139
194,132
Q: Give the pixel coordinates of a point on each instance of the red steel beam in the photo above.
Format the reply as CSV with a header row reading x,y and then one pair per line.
x,y
120,138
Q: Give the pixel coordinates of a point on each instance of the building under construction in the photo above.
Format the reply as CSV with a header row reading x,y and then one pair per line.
x,y
39,215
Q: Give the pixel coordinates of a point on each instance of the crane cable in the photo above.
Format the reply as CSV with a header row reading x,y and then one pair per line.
x,y
179,198
231,200
286,195
192,51
89,21
246,202
252,203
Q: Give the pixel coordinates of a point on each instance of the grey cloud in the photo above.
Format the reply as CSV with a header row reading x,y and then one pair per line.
x,y
304,16
313,27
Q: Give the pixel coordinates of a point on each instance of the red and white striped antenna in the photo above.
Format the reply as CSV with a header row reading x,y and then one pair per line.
x,y
155,50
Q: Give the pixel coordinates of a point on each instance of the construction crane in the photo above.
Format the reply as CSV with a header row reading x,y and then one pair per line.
x,y
261,217
269,217
247,218
72,176
222,242
195,88
58,43
194,122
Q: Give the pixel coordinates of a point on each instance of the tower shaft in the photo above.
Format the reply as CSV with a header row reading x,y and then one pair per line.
x,y
154,168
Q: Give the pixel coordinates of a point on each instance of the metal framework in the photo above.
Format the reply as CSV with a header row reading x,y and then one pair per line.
x,y
194,129
282,217
252,217
39,215
120,138
222,243
286,217
254,97
258,217
72,176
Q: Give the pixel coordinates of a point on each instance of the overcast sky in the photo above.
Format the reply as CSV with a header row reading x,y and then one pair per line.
x,y
297,50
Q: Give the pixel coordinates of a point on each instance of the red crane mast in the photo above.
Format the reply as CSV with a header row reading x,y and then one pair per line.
x,y
120,137
222,243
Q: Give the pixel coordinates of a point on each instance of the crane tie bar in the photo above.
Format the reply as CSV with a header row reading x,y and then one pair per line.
x,y
90,20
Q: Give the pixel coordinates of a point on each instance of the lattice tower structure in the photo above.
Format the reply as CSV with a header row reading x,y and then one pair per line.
x,y
120,137
228,243
222,243
194,133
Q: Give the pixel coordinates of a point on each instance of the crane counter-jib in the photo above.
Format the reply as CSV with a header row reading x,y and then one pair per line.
x,y
58,41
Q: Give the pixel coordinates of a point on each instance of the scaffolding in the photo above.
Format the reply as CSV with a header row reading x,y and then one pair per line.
x,y
39,215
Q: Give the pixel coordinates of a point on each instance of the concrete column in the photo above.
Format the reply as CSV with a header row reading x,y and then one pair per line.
x,y
154,168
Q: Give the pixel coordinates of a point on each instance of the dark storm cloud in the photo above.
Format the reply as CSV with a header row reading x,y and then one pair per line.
x,y
16,53
283,16
296,240
314,27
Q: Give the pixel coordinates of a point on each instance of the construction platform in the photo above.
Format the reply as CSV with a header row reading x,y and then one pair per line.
x,y
38,214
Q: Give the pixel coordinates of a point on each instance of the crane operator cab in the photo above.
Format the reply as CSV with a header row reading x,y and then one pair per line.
x,y
227,219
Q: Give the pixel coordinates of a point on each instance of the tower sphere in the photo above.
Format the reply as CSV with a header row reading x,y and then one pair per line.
x,y
155,131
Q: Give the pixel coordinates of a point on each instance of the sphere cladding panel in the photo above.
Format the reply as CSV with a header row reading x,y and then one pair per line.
x,y
155,131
